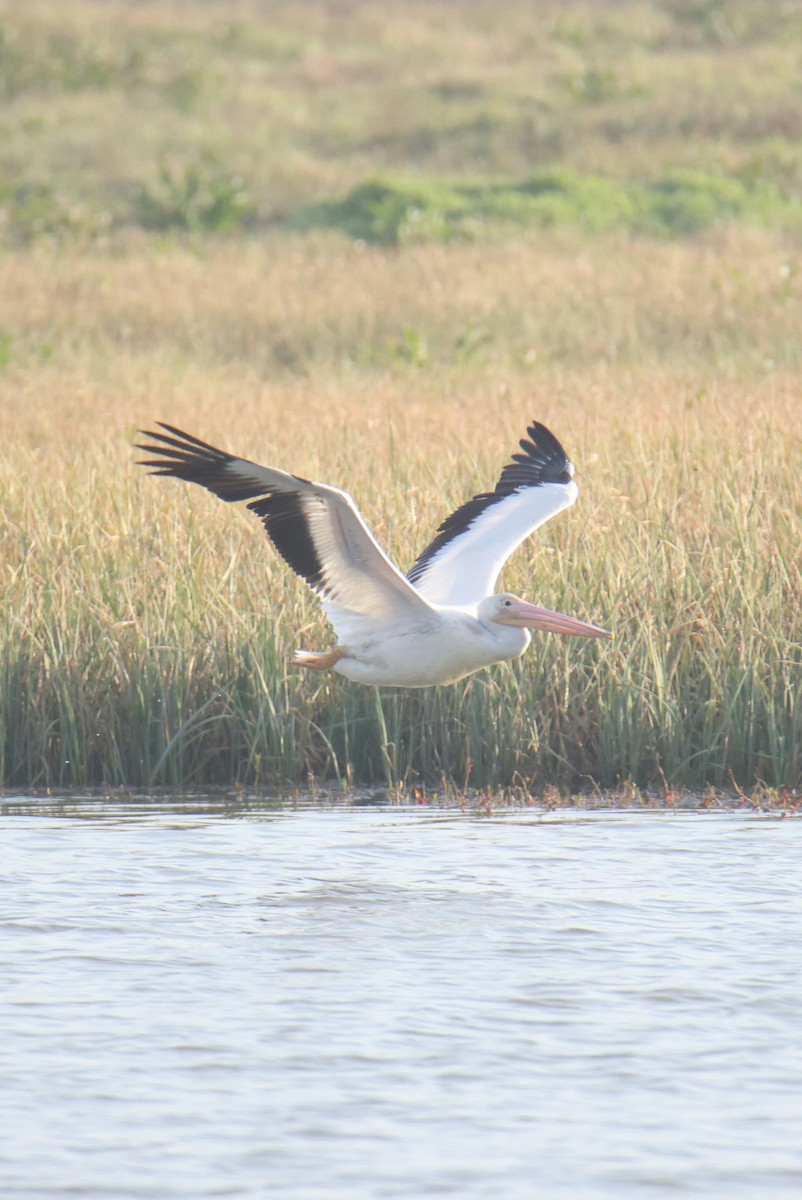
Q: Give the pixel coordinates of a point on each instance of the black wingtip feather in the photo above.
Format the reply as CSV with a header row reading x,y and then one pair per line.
x,y
182,456
542,460
180,438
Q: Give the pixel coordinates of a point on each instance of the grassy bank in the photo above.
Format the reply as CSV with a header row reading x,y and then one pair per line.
x,y
146,628
192,231
223,116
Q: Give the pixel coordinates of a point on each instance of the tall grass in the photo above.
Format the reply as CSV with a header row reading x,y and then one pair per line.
x,y
558,226
146,627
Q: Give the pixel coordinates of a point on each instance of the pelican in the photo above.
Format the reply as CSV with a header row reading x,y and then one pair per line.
x,y
435,625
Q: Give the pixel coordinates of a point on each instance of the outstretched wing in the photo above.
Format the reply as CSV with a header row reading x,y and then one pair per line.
x,y
461,565
318,530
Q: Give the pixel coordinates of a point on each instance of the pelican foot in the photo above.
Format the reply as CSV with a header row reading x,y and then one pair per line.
x,y
315,660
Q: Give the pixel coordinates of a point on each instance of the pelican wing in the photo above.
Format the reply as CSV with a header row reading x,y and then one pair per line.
x,y
461,565
318,530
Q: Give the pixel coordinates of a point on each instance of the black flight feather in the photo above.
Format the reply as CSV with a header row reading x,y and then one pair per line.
x,y
543,461
281,512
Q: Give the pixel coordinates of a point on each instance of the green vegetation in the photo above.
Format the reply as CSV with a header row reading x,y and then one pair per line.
x,y
143,648
369,244
198,198
453,122
392,213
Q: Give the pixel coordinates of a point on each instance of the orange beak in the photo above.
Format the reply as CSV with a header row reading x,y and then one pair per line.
x,y
533,617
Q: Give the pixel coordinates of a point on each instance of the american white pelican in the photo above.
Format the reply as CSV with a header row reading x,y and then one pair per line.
x,y
436,624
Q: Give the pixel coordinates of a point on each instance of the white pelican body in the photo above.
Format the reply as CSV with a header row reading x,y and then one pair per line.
x,y
440,648
433,626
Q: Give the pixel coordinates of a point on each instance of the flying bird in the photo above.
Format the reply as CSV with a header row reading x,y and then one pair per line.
x,y
440,622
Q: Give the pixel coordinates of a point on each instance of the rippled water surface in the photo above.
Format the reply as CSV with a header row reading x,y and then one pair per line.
x,y
362,1003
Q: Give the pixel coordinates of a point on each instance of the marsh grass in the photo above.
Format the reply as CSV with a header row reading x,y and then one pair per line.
x,y
589,219
147,628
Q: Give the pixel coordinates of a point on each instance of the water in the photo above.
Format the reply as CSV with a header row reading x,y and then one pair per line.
x,y
366,1003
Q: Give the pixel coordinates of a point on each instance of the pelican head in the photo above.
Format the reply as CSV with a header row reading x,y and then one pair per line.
x,y
506,609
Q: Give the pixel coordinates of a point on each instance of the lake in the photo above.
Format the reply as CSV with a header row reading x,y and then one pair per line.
x,y
212,1000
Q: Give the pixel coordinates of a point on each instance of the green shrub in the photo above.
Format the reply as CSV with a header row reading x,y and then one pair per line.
x,y
389,212
396,212
687,201
198,196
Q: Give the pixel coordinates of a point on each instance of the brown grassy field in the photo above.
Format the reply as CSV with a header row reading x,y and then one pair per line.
x,y
146,628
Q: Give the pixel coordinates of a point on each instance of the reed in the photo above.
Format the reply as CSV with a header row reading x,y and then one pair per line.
x,y
145,628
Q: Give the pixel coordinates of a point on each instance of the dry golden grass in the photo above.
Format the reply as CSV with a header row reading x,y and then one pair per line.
x,y
147,627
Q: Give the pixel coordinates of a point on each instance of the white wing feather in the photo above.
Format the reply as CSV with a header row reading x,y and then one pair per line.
x,y
317,529
361,588
465,569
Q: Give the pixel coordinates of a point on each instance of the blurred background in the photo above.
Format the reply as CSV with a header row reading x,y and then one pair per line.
x,y
369,243
429,120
